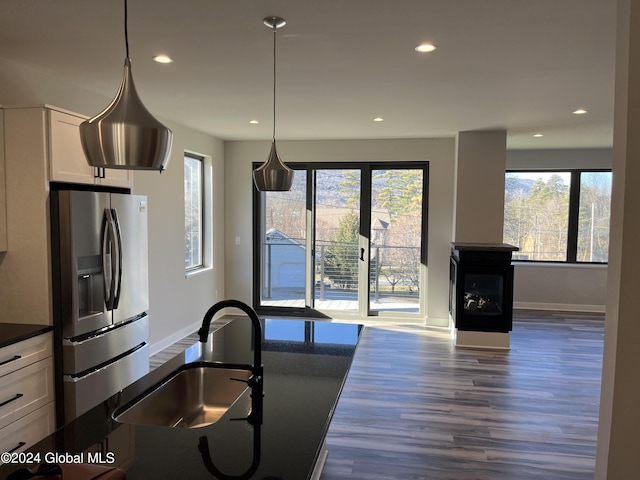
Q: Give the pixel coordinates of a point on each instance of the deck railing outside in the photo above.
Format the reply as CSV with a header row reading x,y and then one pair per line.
x,y
394,272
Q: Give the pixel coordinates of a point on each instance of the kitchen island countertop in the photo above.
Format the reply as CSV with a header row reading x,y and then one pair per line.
x,y
305,366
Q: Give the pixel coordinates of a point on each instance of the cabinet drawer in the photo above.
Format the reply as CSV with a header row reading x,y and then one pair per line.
x,y
25,390
29,430
26,352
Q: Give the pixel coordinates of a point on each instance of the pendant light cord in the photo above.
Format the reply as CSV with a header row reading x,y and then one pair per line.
x,y
126,32
274,81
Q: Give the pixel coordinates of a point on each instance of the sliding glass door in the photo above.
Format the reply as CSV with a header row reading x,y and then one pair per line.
x,y
282,246
336,239
347,239
396,239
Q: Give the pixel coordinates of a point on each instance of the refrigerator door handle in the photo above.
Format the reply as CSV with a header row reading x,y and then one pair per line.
x,y
108,268
118,234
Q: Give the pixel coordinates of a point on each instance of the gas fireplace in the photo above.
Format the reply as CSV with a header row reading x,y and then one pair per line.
x,y
481,287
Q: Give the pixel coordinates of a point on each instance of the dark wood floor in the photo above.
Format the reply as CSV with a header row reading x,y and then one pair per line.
x,y
414,407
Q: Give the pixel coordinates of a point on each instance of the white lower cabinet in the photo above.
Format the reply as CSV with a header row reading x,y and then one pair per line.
x,y
27,399
25,390
29,430
20,354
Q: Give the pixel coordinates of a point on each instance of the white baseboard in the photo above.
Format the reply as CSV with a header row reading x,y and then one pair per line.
x,y
562,307
438,322
488,340
168,341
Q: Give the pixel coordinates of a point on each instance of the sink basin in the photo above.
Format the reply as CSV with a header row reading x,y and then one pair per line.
x,y
192,396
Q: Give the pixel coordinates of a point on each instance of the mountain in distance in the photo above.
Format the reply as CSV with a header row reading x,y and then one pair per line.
x,y
514,185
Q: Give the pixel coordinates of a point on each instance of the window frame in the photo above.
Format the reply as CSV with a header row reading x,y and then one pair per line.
x,y
206,221
573,212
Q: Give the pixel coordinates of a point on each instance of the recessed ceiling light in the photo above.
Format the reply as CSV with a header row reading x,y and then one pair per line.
x,y
163,59
378,119
254,122
580,111
538,135
425,47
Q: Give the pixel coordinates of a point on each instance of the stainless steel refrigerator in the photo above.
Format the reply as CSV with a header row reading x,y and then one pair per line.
x,y
100,295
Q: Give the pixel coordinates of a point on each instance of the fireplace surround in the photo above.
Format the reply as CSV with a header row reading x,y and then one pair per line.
x,y
481,287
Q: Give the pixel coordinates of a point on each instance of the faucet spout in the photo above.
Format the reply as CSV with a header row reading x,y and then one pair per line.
x,y
256,380
257,327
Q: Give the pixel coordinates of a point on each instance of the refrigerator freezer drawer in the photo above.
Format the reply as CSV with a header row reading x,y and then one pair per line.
x,y
84,355
84,393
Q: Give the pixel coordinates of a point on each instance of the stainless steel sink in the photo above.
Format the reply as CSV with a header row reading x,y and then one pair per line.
x,y
193,396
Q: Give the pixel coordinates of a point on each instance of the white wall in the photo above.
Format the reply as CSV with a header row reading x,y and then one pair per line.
x,y
559,158
479,186
25,269
439,152
555,286
178,303
24,85
619,422
552,286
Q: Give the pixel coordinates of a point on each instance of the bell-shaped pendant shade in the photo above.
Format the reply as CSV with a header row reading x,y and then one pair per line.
x,y
273,175
125,135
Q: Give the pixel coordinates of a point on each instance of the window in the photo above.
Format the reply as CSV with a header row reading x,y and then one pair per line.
x,y
193,211
594,215
558,216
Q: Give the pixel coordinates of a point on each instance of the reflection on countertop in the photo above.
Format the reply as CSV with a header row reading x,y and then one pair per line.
x,y
305,366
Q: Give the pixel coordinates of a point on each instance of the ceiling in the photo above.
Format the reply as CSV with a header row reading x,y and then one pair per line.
x,y
519,65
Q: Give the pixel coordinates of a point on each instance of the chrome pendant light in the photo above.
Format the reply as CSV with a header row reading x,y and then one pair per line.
x,y
125,135
273,175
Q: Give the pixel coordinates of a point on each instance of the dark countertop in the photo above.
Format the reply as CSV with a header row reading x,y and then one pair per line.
x,y
11,333
305,366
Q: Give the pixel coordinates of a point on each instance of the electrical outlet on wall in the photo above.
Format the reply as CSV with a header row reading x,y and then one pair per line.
x,y
237,239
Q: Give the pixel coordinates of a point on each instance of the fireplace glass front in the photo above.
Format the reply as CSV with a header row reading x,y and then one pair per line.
x,y
483,294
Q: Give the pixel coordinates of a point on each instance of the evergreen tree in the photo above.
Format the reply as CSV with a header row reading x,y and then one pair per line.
x,y
401,192
537,220
350,188
341,261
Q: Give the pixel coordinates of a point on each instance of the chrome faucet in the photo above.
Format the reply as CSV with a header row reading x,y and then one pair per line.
x,y
255,382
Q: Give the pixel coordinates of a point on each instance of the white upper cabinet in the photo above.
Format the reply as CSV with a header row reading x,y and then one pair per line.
x,y
67,160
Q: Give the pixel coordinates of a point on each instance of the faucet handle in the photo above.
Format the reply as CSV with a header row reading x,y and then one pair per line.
x,y
243,380
253,381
